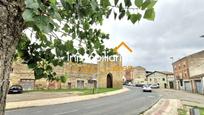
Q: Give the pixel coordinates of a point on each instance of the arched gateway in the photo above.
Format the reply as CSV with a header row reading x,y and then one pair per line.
x,y
109,80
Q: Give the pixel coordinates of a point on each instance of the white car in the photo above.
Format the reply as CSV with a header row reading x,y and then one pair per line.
x,y
129,84
154,86
147,88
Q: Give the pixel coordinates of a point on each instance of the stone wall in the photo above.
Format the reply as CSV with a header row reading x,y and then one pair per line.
x,y
20,71
79,75
114,69
80,72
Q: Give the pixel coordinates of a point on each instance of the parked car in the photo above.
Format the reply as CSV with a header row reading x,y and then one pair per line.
x,y
147,88
15,89
129,84
154,86
139,85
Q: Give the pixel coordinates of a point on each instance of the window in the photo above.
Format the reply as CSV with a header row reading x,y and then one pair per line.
x,y
163,79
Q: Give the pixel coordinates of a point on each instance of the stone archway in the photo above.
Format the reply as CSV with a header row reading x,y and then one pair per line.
x,y
109,80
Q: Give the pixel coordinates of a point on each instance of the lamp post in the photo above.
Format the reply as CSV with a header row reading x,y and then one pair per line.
x,y
202,36
172,59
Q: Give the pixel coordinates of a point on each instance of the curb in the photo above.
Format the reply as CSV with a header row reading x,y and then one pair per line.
x,y
63,100
152,107
156,102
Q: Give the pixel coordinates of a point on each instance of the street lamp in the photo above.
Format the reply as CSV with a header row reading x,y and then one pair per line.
x,y
202,36
172,59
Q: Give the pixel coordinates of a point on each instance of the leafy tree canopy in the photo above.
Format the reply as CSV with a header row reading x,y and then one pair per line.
x,y
58,25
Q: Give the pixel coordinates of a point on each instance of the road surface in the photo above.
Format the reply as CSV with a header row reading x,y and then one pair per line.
x,y
132,102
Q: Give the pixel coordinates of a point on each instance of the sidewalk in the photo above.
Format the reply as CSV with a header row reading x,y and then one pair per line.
x,y
165,107
181,95
53,101
174,99
186,98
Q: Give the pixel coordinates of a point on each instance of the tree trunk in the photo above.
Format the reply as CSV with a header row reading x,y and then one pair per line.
x,y
11,27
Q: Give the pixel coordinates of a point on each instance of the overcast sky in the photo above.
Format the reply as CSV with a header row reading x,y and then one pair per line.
x,y
175,33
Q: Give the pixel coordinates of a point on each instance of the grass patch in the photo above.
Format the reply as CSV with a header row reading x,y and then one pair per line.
x,y
201,111
182,111
75,90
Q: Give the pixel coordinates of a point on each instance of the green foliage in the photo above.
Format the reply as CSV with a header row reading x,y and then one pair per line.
x,y
57,26
149,14
32,4
28,15
201,111
105,3
135,17
138,3
63,79
128,3
182,111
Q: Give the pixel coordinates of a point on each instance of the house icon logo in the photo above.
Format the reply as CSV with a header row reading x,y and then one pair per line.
x,y
122,44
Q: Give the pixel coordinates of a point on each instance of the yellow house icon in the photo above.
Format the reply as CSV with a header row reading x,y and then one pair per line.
x,y
122,44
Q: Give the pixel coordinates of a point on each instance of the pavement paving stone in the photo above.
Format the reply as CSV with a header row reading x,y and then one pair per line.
x,y
165,107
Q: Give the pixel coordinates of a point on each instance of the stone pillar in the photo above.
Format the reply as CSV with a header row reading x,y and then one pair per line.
x,y
193,86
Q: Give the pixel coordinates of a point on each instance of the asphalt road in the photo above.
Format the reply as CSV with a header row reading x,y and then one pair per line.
x,y
132,102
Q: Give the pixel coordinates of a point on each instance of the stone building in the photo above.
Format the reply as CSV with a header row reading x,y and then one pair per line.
x,y
135,75
22,75
139,75
128,73
164,79
189,73
104,74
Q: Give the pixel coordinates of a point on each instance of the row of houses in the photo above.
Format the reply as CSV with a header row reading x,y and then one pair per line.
x,y
189,73
139,75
